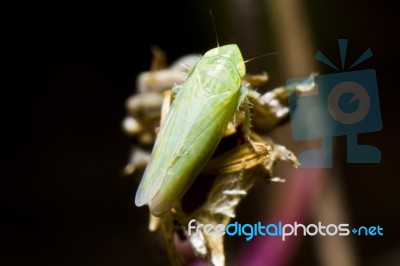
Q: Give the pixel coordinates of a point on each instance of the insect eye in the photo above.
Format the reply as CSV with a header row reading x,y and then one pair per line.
x,y
211,53
241,69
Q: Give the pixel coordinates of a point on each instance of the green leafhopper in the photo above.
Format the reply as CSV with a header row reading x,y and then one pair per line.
x,y
199,115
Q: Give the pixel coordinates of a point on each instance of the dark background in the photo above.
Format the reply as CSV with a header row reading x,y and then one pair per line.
x,y
68,69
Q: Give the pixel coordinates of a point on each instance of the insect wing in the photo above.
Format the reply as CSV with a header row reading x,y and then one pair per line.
x,y
189,135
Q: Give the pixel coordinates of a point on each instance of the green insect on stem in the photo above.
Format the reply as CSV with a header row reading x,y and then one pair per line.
x,y
193,127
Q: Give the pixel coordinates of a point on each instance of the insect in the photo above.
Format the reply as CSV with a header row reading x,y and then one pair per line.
x,y
197,119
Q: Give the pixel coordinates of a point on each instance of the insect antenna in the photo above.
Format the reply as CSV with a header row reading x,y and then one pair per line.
x,y
215,28
251,59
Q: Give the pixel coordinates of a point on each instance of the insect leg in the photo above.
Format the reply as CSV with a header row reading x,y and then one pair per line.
x,y
176,88
247,120
246,127
165,106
